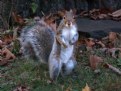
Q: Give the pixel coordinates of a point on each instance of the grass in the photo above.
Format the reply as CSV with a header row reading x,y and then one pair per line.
x,y
35,76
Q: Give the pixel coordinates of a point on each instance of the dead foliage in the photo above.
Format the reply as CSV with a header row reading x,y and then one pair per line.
x,y
22,88
100,14
86,88
116,15
18,19
95,61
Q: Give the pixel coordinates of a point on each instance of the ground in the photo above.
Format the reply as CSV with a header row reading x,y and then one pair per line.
x,y
29,73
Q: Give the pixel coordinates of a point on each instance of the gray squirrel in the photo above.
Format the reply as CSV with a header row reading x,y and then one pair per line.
x,y
53,48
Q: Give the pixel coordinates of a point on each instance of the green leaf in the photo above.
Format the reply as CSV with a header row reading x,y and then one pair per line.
x,y
34,7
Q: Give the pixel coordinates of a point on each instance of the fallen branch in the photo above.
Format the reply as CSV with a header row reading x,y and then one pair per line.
x,y
116,70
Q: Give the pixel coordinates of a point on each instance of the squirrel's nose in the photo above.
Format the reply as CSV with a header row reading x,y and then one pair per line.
x,y
69,23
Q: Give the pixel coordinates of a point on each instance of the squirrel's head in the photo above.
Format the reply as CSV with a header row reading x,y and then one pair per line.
x,y
68,18
67,29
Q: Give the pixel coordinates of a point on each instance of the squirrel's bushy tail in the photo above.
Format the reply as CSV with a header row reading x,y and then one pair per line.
x,y
37,41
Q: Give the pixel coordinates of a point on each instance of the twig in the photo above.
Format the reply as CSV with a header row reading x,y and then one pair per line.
x,y
10,12
113,68
42,13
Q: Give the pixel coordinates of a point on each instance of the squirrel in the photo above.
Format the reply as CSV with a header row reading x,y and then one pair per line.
x,y
53,48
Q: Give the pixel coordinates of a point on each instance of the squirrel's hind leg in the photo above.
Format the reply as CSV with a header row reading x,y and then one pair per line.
x,y
68,67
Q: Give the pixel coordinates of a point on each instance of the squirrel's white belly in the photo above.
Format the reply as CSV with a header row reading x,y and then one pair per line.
x,y
66,53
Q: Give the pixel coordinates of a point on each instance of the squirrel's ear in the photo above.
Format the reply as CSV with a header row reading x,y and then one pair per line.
x,y
71,10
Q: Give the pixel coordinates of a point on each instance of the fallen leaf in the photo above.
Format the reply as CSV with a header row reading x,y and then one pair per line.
x,y
3,62
8,54
1,44
50,20
69,89
103,16
112,36
116,13
100,43
22,88
90,42
95,61
61,13
7,39
100,13
18,19
86,88
114,52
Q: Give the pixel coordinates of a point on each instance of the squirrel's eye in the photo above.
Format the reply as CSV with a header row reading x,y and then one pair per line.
x,y
64,17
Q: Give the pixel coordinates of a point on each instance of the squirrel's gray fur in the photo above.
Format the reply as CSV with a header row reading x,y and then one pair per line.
x,y
48,46
37,41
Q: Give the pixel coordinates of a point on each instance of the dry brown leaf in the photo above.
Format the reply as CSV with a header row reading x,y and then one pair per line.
x,y
93,11
3,62
105,11
50,20
22,88
116,13
69,89
101,43
84,13
18,19
61,13
90,42
7,39
103,16
86,88
100,13
95,61
1,43
8,54
112,36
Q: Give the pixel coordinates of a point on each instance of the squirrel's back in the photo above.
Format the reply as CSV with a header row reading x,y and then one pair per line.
x,y
37,41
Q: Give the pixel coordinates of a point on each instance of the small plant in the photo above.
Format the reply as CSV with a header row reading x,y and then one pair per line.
x,y
34,7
